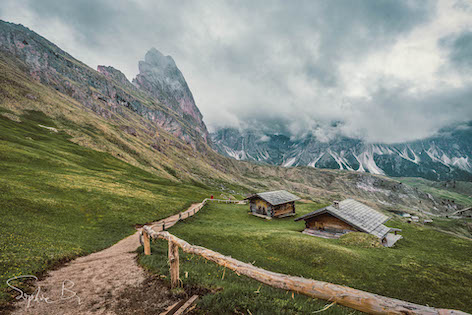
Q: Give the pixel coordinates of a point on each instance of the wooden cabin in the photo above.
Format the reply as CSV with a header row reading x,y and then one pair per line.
x,y
273,204
349,216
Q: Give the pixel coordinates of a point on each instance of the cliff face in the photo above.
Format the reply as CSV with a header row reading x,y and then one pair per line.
x,y
107,91
161,78
444,156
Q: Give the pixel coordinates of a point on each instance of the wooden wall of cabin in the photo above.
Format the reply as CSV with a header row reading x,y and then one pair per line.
x,y
284,209
260,206
329,223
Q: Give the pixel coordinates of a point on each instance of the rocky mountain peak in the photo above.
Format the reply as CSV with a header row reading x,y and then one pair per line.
x,y
160,77
156,58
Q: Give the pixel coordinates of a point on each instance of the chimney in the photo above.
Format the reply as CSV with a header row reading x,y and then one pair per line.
x,y
336,204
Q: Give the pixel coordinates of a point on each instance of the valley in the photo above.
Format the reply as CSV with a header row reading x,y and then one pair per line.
x,y
86,156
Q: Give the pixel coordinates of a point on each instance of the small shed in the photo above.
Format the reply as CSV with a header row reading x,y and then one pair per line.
x,y
349,216
272,204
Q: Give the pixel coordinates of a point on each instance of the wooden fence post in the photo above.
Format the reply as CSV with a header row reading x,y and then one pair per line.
x,y
174,264
147,244
353,298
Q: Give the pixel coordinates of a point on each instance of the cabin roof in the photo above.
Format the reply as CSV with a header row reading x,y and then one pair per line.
x,y
275,198
356,214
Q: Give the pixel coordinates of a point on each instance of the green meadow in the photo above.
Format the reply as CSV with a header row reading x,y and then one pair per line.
x,y
59,200
426,267
460,192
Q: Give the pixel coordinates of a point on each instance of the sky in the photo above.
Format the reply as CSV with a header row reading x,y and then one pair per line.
x,y
383,71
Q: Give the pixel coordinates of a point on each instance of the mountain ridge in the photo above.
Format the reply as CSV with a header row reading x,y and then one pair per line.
x,y
445,156
161,78
51,65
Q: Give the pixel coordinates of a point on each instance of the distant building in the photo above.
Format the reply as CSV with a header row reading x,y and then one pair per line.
x,y
272,204
349,216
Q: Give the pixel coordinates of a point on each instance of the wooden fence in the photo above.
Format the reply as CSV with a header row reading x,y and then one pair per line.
x,y
224,201
144,238
353,298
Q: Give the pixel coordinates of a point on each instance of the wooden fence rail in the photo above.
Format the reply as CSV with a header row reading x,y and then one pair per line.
x,y
224,201
353,298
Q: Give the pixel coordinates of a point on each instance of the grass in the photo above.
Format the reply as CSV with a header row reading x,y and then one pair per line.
x,y
59,200
426,267
457,227
461,193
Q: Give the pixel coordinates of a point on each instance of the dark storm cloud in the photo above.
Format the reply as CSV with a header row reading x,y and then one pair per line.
x,y
460,50
338,29
96,21
407,111
292,67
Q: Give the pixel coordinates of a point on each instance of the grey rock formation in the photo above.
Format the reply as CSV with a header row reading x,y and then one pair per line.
x,y
161,78
448,155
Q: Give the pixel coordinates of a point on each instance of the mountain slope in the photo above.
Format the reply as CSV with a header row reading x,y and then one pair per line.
x,y
60,200
445,156
105,112
52,66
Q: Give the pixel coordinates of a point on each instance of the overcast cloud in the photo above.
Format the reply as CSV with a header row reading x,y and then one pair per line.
x,y
385,71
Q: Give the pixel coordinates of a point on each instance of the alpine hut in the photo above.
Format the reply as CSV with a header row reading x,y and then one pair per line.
x,y
272,204
349,216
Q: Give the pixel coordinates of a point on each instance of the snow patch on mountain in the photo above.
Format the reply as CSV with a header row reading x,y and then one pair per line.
x,y
434,154
290,162
367,161
447,155
404,154
313,163
361,167
342,162
263,156
238,155
462,163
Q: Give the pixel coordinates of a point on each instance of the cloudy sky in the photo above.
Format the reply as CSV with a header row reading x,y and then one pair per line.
x,y
385,71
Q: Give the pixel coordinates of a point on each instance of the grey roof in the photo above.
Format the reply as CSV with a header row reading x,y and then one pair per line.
x,y
276,197
356,214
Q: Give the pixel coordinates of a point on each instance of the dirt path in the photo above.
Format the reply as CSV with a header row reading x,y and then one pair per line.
x,y
97,281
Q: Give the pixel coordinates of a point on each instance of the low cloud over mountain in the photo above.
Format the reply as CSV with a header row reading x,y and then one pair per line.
x,y
383,71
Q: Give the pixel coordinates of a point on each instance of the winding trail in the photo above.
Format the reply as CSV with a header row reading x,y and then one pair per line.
x,y
98,280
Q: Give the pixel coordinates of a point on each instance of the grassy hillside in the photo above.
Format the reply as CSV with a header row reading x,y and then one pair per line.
x,y
137,140
125,135
461,192
426,267
107,168
59,200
